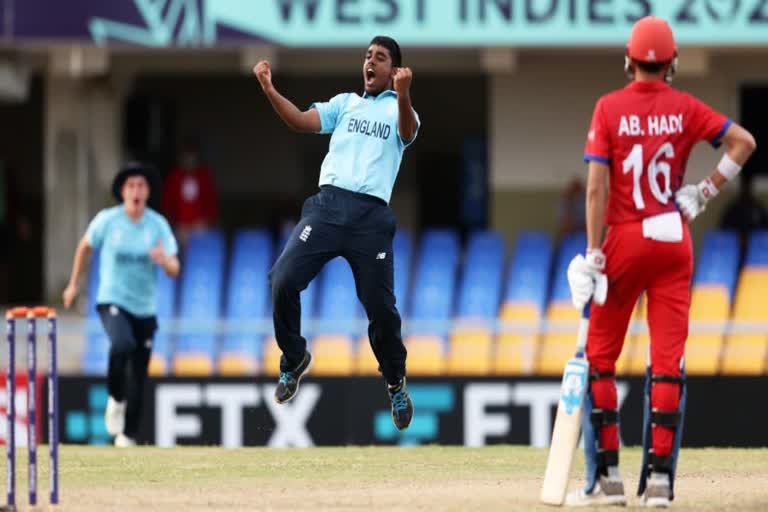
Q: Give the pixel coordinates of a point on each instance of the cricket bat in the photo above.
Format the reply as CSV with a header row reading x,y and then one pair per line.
x,y
565,434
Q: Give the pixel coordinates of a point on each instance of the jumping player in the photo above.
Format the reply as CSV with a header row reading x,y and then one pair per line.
x,y
637,149
132,239
350,216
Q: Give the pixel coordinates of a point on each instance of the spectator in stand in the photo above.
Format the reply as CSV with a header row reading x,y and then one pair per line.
x,y
189,200
572,214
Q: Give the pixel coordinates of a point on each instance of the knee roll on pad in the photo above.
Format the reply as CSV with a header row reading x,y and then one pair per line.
x,y
593,419
671,419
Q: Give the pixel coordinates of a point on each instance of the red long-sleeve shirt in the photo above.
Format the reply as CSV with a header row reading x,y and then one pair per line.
x,y
189,197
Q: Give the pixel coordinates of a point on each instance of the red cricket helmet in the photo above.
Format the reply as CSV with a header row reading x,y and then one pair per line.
x,y
651,40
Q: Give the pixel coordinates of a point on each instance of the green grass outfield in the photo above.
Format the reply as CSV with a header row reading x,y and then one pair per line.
x,y
505,478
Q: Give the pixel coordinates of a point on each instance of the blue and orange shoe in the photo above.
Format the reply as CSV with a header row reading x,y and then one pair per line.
x,y
402,405
288,384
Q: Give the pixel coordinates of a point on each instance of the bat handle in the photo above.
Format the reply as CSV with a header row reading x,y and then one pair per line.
x,y
581,339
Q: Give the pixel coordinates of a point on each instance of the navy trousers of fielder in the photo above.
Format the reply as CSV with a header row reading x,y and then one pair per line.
x,y
360,228
129,354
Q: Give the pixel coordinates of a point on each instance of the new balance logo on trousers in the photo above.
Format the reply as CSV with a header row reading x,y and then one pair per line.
x,y
305,233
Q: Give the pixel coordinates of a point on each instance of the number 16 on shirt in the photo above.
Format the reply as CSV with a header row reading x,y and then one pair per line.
x,y
565,434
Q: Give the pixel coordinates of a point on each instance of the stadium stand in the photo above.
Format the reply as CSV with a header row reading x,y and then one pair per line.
x,y
524,304
482,320
202,284
745,353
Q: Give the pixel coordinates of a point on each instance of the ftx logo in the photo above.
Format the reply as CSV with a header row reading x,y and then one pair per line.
x,y
429,401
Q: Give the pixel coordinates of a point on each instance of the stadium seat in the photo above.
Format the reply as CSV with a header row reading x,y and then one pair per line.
x,y
166,315
523,305
713,288
246,302
338,307
559,344
435,282
745,352
402,246
272,353
332,355
425,356
202,283
95,357
365,362
478,304
470,353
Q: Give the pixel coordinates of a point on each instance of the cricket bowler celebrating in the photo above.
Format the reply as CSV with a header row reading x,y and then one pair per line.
x,y
350,216
639,142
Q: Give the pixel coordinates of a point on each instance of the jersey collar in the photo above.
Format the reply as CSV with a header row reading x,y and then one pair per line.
x,y
388,92
647,86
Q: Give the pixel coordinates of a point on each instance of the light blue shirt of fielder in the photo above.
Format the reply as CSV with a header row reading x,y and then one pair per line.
x,y
127,274
366,149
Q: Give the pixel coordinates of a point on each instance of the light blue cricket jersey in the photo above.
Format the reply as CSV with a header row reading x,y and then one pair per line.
x,y
366,149
127,274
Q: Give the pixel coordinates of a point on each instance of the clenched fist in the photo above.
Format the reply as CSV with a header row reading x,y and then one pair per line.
x,y
263,73
403,78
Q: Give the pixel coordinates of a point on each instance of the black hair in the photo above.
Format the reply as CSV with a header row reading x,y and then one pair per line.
x,y
651,67
391,45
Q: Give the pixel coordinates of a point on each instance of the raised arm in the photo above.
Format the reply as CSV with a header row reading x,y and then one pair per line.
x,y
406,117
302,122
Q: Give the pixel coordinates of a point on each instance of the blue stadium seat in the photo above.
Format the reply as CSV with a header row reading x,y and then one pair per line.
x,y
718,260
435,282
166,314
571,246
247,299
402,246
96,352
202,285
338,306
481,280
757,251
528,278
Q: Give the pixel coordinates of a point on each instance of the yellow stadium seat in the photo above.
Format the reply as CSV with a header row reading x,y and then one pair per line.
x,y
710,303
272,355
332,355
365,361
745,353
703,350
515,354
425,355
519,311
558,347
192,365
158,365
234,364
470,353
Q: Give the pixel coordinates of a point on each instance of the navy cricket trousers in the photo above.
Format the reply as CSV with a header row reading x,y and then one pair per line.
x,y
360,228
129,354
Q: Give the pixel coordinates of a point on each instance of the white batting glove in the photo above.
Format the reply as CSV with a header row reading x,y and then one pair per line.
x,y
586,279
693,199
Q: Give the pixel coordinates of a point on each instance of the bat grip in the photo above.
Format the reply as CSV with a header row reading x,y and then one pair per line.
x,y
581,339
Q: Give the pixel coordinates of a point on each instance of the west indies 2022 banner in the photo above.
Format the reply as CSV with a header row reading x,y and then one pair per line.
x,y
340,23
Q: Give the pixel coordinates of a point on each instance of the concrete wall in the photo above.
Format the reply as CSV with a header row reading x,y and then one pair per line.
x,y
539,117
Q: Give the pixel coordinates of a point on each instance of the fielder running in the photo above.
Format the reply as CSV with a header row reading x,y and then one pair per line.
x,y
350,216
639,142
133,239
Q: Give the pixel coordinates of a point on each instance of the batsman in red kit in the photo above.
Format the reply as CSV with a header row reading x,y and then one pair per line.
x,y
637,148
